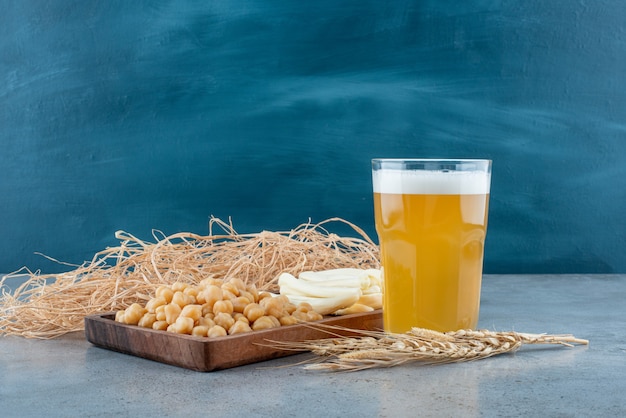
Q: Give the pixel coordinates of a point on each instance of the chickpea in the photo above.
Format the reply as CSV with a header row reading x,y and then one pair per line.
x,y
179,299
288,320
299,315
225,306
160,325
304,307
165,292
240,303
183,325
253,311
200,297
212,294
172,311
147,320
200,331
206,309
289,307
239,327
216,331
155,303
228,295
208,322
313,316
251,288
283,298
191,291
275,320
192,311
241,285
119,316
230,287
247,295
263,295
241,317
160,313
224,320
208,281
264,301
264,322
182,299
274,306
179,286
133,314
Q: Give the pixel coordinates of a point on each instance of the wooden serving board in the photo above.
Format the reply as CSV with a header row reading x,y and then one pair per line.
x,y
209,354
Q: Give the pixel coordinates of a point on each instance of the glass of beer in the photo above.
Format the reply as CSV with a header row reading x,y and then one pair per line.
x,y
431,221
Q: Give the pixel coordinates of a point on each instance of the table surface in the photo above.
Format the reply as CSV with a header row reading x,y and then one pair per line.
x,y
68,376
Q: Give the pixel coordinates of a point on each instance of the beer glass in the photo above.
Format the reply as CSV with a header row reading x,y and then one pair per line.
x,y
431,221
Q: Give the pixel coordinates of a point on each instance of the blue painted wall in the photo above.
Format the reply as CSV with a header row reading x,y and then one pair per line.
x,y
141,115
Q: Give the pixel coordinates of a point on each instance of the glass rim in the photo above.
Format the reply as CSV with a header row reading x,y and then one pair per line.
x,y
433,160
444,165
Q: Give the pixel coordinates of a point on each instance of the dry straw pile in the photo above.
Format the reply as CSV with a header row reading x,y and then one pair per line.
x,y
47,306
372,349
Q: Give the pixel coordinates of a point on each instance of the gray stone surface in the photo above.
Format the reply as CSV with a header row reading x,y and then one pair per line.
x,y
70,377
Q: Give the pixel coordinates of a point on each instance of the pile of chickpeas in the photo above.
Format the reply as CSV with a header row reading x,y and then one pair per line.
x,y
215,308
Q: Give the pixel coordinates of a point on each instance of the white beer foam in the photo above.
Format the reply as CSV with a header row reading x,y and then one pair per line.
x,y
430,182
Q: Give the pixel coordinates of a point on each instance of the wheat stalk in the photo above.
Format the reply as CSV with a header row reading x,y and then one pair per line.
x,y
371,349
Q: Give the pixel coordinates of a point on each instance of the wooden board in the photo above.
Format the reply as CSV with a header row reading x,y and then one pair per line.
x,y
204,354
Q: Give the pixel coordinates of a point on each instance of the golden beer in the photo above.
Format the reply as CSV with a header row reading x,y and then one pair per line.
x,y
431,227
